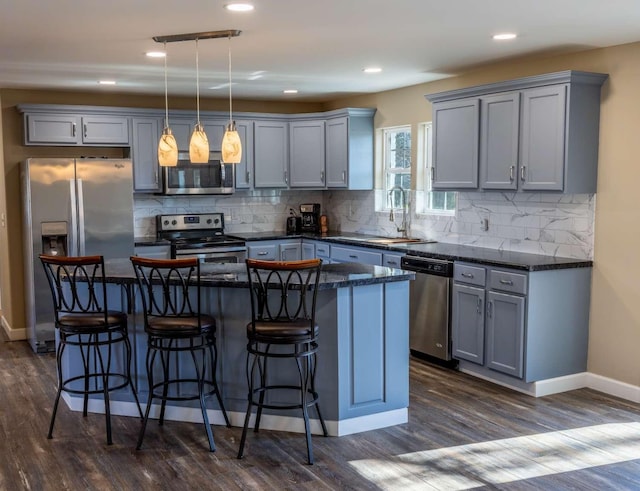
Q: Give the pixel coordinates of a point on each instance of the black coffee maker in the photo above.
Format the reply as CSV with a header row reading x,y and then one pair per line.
x,y
310,214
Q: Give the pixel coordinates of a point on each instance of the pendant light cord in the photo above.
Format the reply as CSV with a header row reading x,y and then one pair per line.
x,y
197,84
166,97
230,99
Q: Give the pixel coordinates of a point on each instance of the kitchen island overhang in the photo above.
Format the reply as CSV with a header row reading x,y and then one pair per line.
x,y
363,356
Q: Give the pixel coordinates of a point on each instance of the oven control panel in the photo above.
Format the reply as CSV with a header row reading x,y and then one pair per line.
x,y
200,221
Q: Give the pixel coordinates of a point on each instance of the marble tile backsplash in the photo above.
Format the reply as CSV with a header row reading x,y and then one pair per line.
x,y
557,225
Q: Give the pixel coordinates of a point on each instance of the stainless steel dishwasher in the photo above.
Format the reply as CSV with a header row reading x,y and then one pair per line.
x,y
430,306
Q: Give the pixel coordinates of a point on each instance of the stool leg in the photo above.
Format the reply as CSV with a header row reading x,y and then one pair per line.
x,y
105,382
127,345
262,368
213,354
86,361
165,357
250,376
201,375
305,412
312,370
150,358
59,353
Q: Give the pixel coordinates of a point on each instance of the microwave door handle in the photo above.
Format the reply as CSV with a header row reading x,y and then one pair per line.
x,y
73,232
81,243
222,174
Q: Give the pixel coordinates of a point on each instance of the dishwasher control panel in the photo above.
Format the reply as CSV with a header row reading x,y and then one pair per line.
x,y
427,265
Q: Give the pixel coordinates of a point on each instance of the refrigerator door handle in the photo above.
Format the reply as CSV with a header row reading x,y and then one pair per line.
x,y
73,232
80,218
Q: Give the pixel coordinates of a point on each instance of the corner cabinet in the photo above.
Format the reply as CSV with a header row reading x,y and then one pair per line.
x,y
307,154
531,134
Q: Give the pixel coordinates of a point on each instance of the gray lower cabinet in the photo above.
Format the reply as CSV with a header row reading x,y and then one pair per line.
x,y
290,251
144,154
75,129
307,154
271,157
275,250
524,326
347,254
391,260
533,134
308,250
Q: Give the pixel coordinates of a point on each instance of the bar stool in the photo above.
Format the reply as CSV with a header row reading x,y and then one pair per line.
x,y
283,306
84,321
175,325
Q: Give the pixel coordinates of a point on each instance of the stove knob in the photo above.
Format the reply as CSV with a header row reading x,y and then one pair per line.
x,y
166,222
216,221
174,222
209,221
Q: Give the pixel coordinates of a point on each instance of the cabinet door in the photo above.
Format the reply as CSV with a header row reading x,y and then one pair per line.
x,y
144,153
343,254
499,131
52,129
306,154
337,152
105,130
391,260
308,251
266,252
467,323
505,333
290,251
244,170
181,129
543,139
455,144
215,133
271,157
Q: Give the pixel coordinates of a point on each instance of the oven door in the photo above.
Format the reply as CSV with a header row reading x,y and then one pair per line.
x,y
215,255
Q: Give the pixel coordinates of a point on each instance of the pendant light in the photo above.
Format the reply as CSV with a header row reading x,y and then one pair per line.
x,y
231,144
167,146
199,144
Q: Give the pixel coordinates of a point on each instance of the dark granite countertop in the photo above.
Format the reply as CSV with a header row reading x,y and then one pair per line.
x,y
235,276
149,241
438,250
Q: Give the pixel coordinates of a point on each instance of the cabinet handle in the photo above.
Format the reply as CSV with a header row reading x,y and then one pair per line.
x,y
479,306
248,176
344,176
506,282
522,172
322,175
262,253
392,262
433,173
467,275
73,130
156,176
286,177
489,309
353,256
84,129
512,170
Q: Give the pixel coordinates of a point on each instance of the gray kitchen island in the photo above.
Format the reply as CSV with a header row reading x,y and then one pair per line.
x,y
363,356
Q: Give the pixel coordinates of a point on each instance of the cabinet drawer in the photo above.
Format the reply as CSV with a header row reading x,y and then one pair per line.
x,y
391,260
266,252
473,275
508,282
322,250
346,254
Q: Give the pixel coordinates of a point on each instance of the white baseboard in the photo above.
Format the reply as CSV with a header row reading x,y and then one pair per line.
x,y
613,387
267,422
560,384
12,334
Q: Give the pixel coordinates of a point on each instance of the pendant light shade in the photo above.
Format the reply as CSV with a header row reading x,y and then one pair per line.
x,y
167,146
231,144
199,144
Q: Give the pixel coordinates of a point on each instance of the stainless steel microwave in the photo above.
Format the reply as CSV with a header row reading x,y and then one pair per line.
x,y
213,177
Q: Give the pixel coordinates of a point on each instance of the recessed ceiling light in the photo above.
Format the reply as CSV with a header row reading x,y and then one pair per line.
x,y
372,69
290,91
107,82
156,54
504,36
239,7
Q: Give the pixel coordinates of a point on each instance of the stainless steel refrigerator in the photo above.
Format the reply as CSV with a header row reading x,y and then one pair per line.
x,y
71,207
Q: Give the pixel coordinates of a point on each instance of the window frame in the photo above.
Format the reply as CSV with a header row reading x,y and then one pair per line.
x,y
389,171
425,160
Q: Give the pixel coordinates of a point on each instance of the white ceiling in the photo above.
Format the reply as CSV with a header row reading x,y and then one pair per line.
x,y
316,46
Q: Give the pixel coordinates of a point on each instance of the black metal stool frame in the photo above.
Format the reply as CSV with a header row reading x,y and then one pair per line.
x,y
171,319
289,321
88,324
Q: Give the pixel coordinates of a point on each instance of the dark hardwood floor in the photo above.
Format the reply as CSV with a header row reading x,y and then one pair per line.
x,y
463,433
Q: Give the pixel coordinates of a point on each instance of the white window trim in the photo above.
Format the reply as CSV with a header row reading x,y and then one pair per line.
x,y
382,204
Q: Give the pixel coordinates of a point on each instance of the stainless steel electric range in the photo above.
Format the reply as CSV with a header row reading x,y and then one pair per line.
x,y
200,235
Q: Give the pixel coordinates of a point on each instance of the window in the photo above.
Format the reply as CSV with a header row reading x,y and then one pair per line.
x,y
397,164
438,202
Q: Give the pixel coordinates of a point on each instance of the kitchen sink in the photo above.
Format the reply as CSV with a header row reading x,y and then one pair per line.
x,y
385,240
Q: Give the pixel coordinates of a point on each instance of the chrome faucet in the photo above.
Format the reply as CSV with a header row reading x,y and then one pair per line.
x,y
403,228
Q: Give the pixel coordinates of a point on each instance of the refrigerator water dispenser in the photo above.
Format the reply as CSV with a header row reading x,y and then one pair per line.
x,y
54,238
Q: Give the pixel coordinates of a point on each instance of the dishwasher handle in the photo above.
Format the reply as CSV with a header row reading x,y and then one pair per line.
x,y
435,267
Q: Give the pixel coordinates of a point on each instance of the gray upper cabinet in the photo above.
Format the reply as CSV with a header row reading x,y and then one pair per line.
x,y
75,129
271,158
534,134
455,144
499,135
349,149
144,153
244,174
182,129
306,154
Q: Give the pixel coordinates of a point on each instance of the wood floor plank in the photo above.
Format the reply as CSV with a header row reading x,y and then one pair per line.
x,y
455,422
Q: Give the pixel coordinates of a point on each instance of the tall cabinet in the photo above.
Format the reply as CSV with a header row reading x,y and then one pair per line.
x,y
531,134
